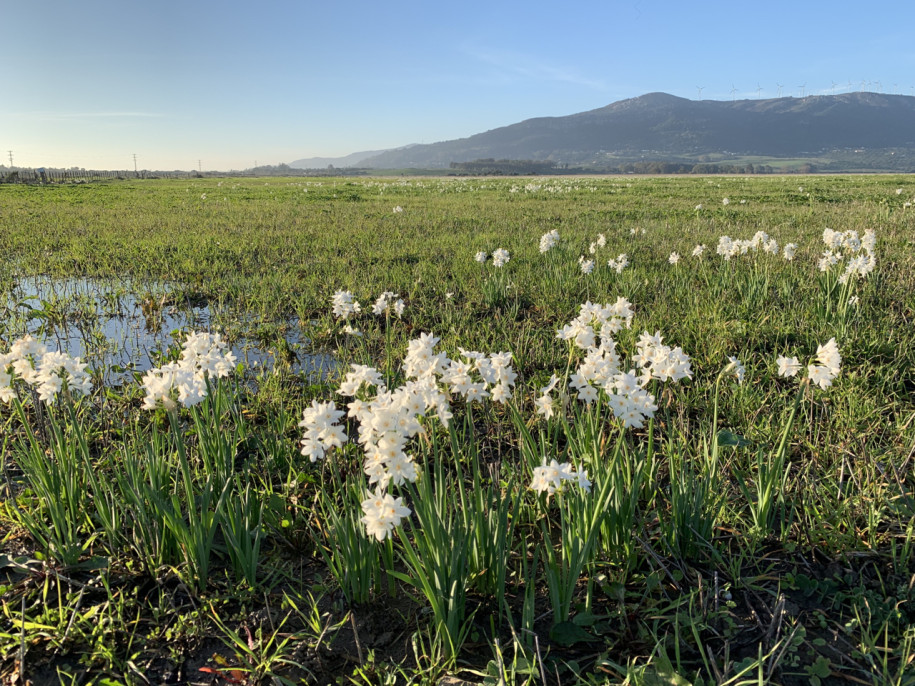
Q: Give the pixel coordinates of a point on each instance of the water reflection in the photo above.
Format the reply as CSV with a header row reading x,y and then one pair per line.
x,y
120,328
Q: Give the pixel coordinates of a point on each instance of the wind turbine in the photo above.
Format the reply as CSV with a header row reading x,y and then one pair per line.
x,y
803,88
733,90
700,89
834,84
780,86
758,90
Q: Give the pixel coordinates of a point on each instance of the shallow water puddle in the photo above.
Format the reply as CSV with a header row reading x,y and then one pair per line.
x,y
106,323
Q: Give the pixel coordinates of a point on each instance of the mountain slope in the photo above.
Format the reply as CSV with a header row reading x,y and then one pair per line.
x,y
666,125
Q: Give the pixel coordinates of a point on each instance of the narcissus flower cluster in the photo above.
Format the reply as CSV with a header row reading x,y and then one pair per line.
x,y
46,371
204,355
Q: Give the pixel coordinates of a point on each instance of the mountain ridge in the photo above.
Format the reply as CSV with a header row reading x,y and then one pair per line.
x,y
667,126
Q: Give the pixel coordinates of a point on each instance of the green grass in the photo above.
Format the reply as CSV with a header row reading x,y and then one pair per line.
x,y
768,532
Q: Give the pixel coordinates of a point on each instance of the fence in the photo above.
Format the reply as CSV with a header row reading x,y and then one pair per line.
x,y
82,176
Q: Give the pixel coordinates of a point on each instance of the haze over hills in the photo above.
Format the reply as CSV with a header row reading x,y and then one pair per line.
x,y
351,160
662,126
354,159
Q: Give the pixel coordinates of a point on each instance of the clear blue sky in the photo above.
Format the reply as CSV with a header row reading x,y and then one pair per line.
x,y
90,83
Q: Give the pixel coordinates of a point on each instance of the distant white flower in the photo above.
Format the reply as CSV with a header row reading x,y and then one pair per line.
x,y
698,207
398,209
725,201
499,257
344,305
789,250
698,250
549,240
587,266
674,258
386,302
619,264
480,257
736,368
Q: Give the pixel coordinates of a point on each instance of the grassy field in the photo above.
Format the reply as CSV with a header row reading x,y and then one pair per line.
x,y
428,510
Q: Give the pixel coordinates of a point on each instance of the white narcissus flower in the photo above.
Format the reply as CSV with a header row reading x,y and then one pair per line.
x,y
674,258
583,482
344,305
549,478
480,257
821,376
619,264
203,355
549,240
499,257
736,367
828,356
47,371
788,366
382,513
544,405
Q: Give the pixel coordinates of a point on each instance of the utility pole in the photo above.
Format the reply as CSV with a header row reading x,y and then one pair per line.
x,y
199,166
11,158
135,164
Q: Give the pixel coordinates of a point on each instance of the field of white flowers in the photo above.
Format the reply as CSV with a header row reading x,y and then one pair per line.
x,y
564,431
